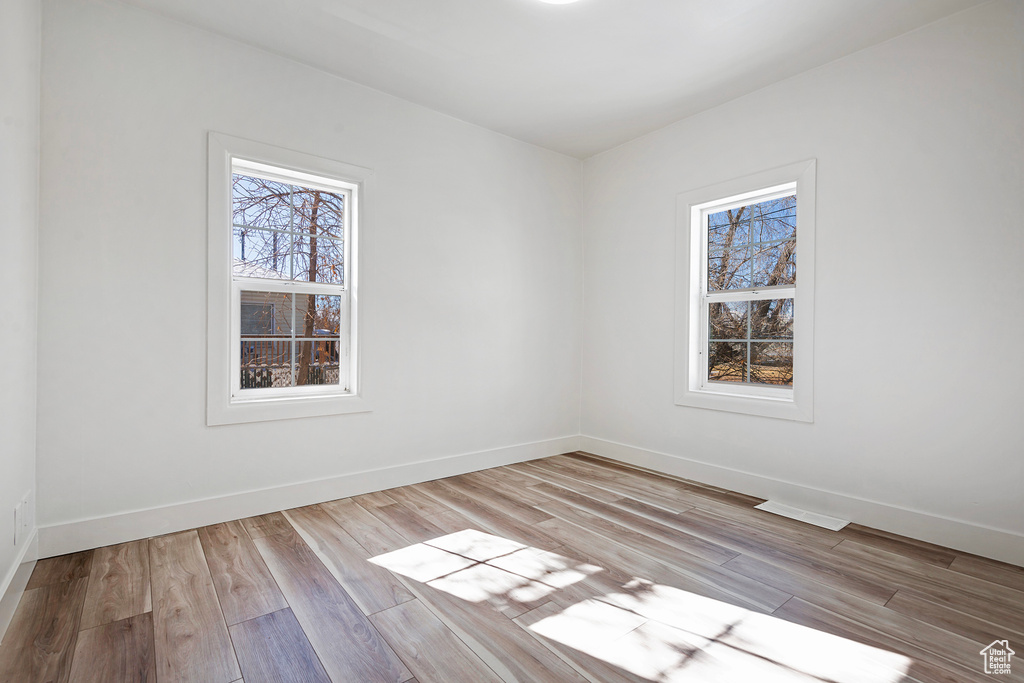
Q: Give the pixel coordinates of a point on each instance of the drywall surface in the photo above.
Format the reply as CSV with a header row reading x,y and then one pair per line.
x,y
470,278
919,296
19,195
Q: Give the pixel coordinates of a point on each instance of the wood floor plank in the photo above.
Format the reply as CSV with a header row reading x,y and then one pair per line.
x,y
673,501
371,587
539,474
266,525
750,590
417,501
120,651
939,642
922,667
498,479
274,649
778,535
980,630
622,476
60,569
192,642
487,518
626,564
118,584
682,495
430,649
510,474
374,500
374,535
990,570
966,593
509,651
909,569
40,640
348,645
817,564
901,545
673,536
244,584
406,522
733,498
682,500
451,521
497,499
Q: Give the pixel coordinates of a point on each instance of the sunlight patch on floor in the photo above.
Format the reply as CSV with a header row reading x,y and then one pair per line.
x,y
643,629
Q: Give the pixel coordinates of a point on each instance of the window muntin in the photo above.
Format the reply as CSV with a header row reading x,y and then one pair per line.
x,y
289,234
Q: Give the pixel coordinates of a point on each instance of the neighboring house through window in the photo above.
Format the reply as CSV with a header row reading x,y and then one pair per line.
x,y
745,299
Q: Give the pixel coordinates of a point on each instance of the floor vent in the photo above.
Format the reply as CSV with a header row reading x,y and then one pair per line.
x,y
802,515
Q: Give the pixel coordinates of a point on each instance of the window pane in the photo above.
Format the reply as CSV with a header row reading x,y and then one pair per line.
x,y
257,318
771,363
260,253
261,203
774,264
318,352
316,362
728,268
728,320
727,361
319,259
276,354
317,315
769,228
318,212
771,319
773,220
729,228
266,346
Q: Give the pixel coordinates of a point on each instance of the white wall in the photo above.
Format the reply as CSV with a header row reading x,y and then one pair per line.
x,y
471,284
19,195
920,295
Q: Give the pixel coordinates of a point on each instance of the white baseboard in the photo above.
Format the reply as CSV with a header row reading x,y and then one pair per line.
x,y
14,582
998,544
68,537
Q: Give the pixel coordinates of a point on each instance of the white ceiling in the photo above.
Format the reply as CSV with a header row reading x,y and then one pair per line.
x,y
579,78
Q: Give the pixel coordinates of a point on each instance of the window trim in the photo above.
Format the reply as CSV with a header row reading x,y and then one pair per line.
x,y
691,385
223,310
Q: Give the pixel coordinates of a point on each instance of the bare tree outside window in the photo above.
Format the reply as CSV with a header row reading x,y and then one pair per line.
x,y
283,231
750,248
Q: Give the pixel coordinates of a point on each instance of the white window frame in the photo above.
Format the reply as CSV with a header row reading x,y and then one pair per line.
x,y
692,387
227,402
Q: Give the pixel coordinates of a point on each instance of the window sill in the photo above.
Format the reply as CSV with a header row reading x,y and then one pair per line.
x,y
763,406
283,408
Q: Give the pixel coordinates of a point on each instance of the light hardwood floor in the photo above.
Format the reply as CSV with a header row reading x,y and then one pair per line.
x,y
571,568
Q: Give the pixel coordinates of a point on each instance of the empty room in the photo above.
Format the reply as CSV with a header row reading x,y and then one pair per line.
x,y
511,340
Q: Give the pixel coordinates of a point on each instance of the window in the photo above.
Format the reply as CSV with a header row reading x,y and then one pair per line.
x,y
283,273
745,313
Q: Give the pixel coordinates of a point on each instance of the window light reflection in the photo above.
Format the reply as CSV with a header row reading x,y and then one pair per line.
x,y
651,631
